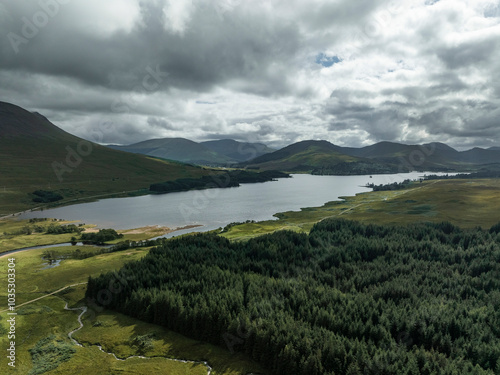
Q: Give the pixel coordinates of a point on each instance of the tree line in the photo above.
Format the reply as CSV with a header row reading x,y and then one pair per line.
x,y
392,186
485,173
218,180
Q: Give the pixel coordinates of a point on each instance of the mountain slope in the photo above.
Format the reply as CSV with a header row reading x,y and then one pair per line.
x,y
431,156
322,157
480,156
179,149
297,148
37,155
317,157
239,151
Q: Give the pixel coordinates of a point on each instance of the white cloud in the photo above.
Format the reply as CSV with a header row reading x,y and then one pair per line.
x,y
412,71
101,18
177,15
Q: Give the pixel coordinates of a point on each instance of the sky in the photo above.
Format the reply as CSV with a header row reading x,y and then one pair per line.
x,y
273,71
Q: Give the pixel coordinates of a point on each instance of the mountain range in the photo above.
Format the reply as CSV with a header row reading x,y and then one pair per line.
x,y
318,156
215,153
322,157
37,155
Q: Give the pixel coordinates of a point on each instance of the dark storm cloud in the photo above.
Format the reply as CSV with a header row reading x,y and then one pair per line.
x,y
287,138
437,85
204,56
278,71
447,122
160,123
469,53
382,124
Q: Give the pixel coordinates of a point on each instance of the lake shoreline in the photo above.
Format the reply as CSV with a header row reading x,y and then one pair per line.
x,y
215,208
140,230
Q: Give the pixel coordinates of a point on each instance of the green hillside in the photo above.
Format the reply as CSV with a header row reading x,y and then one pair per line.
x,y
322,157
434,156
317,157
240,151
37,155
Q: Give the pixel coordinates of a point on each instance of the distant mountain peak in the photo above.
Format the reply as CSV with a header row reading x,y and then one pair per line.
x,y
236,150
314,142
179,149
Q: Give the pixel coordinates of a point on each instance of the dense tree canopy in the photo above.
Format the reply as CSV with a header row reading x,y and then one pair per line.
x,y
224,179
346,299
43,196
102,236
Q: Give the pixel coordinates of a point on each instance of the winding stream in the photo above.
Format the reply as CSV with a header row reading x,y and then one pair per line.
x,y
84,310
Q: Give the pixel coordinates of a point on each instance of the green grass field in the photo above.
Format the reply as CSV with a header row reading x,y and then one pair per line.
x,y
11,237
116,333
466,203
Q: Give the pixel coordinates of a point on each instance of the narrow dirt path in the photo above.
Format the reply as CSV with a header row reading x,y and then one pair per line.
x,y
39,298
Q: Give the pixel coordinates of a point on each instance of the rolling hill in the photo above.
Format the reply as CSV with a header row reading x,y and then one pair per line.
x,y
239,151
431,156
216,153
480,156
179,149
322,157
37,155
318,157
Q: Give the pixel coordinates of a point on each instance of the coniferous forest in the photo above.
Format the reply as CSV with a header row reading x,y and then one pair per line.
x,y
346,299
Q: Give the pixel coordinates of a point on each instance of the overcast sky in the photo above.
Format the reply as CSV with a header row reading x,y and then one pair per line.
x,y
353,72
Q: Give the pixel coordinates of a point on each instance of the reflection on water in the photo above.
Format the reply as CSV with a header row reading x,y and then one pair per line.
x,y
214,208
52,263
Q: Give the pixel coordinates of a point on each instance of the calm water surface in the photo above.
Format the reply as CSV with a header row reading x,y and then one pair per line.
x,y
216,208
